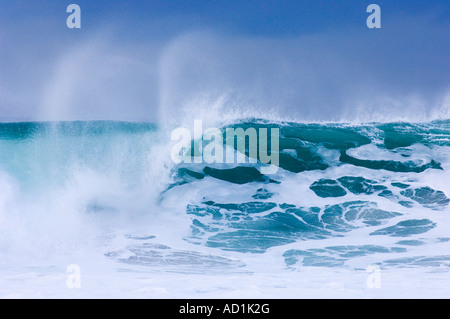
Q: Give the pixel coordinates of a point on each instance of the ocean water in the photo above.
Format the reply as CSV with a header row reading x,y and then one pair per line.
x,y
99,209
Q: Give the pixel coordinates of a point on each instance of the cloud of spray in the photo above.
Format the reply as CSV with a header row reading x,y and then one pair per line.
x,y
399,72
100,81
94,76
343,76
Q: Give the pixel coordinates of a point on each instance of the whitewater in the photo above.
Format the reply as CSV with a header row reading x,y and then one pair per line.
x,y
354,211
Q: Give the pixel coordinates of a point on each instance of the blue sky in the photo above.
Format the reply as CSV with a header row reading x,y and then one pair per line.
x,y
255,17
130,59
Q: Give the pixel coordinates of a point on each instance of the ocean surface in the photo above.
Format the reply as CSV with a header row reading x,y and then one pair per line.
x,y
354,210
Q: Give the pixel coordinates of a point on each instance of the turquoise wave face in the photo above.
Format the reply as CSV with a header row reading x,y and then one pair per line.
x,y
335,180
47,153
32,130
309,147
387,183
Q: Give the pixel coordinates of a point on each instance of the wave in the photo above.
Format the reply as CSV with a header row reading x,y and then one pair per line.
x,y
386,182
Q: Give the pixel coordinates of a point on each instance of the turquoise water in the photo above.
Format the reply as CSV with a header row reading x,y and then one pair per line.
x,y
344,196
